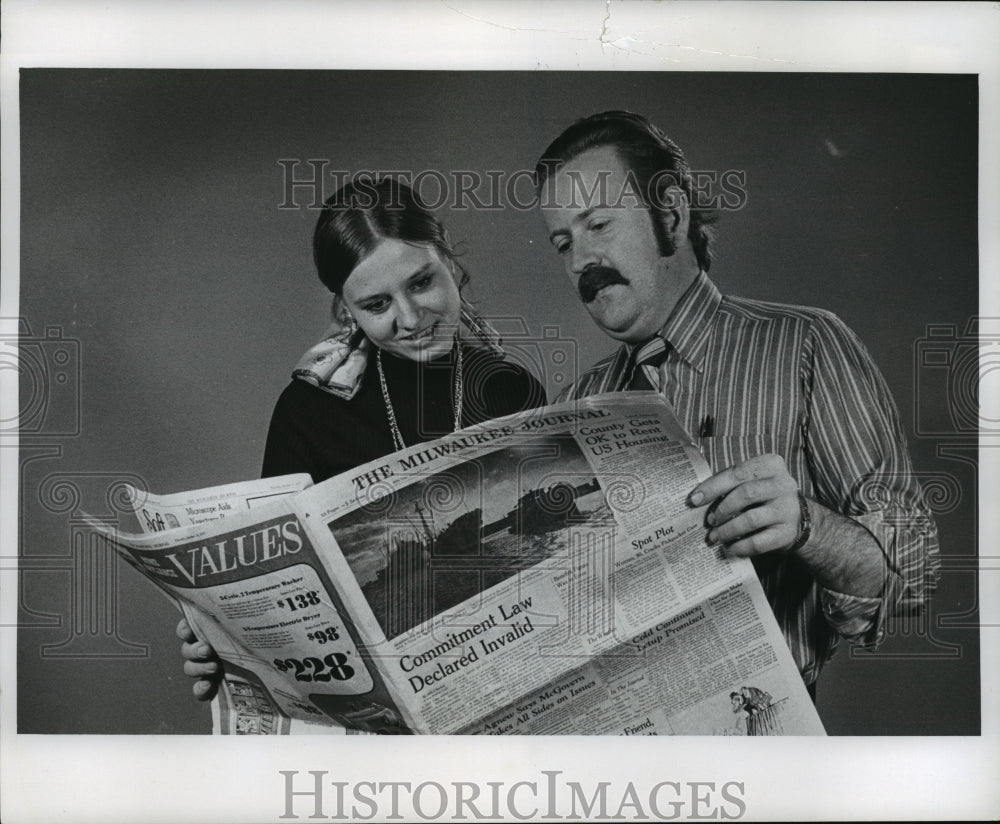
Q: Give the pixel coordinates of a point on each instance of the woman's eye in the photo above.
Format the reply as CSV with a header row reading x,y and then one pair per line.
x,y
562,247
422,282
598,225
376,307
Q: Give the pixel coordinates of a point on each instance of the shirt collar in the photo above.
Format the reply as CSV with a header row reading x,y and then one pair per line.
x,y
690,323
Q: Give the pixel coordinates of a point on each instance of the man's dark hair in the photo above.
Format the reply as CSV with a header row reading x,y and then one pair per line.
x,y
655,161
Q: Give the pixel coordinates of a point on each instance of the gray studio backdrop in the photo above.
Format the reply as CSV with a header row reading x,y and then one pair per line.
x,y
165,295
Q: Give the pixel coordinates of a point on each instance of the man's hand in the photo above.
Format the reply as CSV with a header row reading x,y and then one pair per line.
x,y
753,506
201,662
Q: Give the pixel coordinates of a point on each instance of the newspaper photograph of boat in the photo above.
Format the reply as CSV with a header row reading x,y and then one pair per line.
x,y
452,534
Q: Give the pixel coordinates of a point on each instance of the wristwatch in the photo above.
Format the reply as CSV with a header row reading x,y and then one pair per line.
x,y
805,525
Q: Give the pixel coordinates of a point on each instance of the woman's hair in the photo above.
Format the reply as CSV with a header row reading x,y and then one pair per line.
x,y
654,159
362,213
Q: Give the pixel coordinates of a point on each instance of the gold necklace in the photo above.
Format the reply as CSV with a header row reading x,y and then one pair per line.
x,y
397,437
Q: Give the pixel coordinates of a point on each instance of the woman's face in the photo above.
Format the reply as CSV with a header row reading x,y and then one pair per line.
x,y
405,299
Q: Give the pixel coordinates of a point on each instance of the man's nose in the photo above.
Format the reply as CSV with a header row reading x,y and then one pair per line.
x,y
583,255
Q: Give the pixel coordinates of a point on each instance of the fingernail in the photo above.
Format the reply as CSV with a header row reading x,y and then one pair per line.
x,y
711,518
697,498
211,667
203,650
711,536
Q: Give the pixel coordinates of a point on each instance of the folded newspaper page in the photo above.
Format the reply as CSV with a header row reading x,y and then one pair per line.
x,y
158,513
535,574
239,708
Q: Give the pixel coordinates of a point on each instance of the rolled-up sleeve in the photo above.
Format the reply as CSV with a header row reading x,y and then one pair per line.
x,y
860,468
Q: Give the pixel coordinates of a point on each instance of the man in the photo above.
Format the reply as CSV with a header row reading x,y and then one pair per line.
x,y
812,480
812,476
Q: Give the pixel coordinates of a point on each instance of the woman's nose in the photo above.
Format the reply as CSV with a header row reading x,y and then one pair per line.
x,y
408,315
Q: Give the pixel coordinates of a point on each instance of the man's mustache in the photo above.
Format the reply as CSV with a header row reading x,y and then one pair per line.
x,y
595,278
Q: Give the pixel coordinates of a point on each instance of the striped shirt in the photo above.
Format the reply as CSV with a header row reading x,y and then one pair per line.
x,y
795,381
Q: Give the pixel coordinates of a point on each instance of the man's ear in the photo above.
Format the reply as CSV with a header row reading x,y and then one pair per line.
x,y
673,212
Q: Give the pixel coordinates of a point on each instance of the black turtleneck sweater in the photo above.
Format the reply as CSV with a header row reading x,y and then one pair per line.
x,y
316,432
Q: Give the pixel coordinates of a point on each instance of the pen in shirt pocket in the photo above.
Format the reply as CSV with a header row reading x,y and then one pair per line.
x,y
707,427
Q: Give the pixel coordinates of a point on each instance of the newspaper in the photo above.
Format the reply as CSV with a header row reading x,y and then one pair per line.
x,y
239,707
536,574
158,513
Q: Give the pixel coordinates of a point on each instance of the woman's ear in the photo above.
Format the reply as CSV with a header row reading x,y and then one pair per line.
x,y
340,314
459,275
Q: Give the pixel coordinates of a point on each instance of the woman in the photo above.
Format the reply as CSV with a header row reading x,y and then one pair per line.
x,y
405,362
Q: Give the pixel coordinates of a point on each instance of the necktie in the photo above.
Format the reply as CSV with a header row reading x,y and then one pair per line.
x,y
648,359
